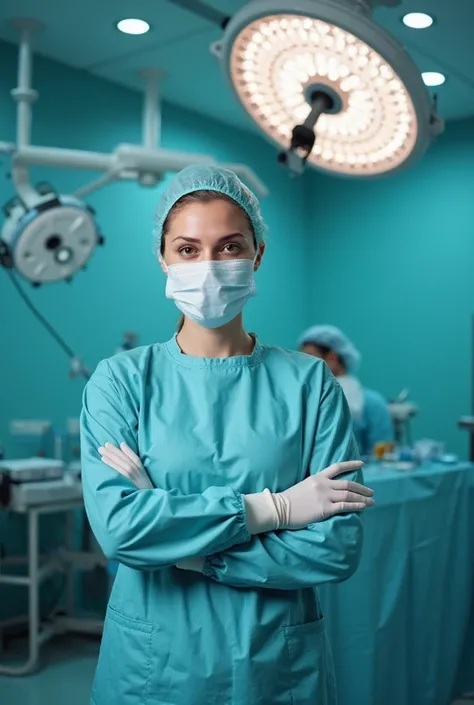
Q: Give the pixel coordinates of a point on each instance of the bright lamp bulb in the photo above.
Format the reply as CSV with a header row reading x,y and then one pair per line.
x,y
133,26
278,61
417,20
433,78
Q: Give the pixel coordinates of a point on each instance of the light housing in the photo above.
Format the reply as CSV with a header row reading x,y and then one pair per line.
x,y
379,117
51,241
133,26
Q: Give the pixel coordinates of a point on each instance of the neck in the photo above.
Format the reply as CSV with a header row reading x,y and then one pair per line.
x,y
228,341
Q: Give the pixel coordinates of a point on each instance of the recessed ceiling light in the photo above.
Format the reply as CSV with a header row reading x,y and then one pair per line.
x,y
433,78
418,20
133,26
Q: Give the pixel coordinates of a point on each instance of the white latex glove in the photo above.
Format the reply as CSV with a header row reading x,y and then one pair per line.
x,y
195,564
316,498
127,463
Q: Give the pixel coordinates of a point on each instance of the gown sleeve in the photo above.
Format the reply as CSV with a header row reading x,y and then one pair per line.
x,y
324,552
146,529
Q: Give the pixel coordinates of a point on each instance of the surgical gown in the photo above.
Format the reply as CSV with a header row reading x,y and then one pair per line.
x,y
375,424
249,630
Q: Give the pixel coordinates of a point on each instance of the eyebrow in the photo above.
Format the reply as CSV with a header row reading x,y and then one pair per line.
x,y
222,240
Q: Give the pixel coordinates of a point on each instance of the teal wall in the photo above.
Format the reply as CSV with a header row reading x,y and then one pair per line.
x,y
123,288
389,260
393,263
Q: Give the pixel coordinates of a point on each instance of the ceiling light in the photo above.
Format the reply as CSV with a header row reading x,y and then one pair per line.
x,y
305,66
418,20
433,78
133,26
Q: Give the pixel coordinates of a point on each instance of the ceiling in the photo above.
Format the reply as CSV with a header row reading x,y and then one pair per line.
x,y
85,37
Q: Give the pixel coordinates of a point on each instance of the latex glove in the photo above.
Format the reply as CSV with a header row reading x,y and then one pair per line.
x,y
127,463
316,498
195,564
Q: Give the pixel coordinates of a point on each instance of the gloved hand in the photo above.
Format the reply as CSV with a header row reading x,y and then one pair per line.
x,y
127,463
316,498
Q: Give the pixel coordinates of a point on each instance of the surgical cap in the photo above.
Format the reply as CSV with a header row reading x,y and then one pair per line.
x,y
334,339
208,178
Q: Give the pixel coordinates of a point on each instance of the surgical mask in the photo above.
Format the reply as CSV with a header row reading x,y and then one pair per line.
x,y
211,293
354,394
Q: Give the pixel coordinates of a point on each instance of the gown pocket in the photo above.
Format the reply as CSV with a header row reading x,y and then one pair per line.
x,y
310,665
125,661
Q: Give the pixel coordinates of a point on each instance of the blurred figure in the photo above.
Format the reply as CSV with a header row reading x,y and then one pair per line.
x,y
371,417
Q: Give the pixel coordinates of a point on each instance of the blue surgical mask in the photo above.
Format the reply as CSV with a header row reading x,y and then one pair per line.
x,y
211,293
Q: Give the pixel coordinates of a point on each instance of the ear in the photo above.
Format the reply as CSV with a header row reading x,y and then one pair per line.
x,y
258,259
163,266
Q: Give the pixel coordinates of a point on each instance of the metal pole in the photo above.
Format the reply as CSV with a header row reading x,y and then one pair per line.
x,y
151,109
320,102
23,94
33,593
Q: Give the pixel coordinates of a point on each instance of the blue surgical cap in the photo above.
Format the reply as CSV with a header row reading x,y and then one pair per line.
x,y
208,178
334,339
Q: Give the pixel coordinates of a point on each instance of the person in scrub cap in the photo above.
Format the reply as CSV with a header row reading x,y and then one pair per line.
x,y
371,417
222,475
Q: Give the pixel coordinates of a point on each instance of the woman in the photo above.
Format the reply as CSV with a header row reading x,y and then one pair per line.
x,y
370,415
224,504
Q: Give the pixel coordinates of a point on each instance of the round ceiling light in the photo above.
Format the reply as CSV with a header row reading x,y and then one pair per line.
x,y
433,78
376,113
417,20
133,26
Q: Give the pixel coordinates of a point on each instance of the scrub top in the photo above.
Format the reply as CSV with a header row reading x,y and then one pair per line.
x,y
375,425
249,629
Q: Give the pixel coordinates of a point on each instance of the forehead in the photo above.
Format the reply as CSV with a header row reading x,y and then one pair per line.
x,y
208,220
312,349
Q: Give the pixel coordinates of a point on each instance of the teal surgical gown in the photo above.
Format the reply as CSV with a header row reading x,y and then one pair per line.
x,y
375,424
249,629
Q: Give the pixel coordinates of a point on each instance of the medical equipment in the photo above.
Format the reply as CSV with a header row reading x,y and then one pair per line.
x,y
34,437
31,469
402,411
47,236
35,499
467,422
296,65
130,341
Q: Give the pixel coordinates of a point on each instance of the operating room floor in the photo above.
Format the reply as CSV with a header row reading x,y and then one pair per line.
x,y
66,676
65,679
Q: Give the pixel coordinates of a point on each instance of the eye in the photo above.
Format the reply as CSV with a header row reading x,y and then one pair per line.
x,y
187,251
232,248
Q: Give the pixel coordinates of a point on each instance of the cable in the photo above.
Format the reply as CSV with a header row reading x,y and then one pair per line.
x,y
62,344
203,10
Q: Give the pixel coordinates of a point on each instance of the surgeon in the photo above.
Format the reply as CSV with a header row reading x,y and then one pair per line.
x,y
372,421
222,475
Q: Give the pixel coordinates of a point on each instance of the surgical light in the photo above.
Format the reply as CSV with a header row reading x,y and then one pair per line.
x,y
51,239
327,85
133,26
417,20
433,78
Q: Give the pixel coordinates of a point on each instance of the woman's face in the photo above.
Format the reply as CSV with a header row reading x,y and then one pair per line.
x,y
212,231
